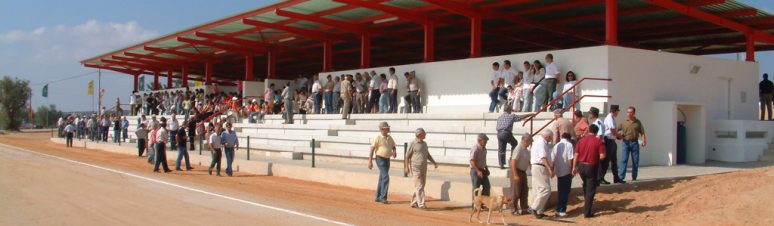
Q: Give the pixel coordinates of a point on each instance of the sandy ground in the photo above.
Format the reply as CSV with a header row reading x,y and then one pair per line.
x,y
41,190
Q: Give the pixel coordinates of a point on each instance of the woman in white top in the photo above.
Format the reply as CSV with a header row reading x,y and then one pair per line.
x,y
567,99
540,91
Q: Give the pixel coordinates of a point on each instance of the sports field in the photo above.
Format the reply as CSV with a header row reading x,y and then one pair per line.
x,y
47,184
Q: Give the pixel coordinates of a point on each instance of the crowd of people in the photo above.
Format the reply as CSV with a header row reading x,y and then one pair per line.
x,y
531,89
93,127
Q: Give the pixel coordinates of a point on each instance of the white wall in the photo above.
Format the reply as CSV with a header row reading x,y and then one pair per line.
x,y
643,77
461,86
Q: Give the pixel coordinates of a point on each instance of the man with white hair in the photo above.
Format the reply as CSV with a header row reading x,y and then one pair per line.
x,y
542,172
416,162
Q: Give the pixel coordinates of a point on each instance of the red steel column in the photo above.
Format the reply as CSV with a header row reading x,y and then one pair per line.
x,y
272,64
365,50
750,47
169,79
156,80
429,42
327,56
208,73
136,81
611,22
184,74
475,36
248,68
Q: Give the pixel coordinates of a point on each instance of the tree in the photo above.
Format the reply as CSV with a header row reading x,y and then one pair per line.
x,y
47,115
14,94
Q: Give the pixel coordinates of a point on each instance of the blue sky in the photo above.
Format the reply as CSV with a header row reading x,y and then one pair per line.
x,y
44,41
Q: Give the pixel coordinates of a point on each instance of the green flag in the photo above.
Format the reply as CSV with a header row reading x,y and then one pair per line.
x,y
45,90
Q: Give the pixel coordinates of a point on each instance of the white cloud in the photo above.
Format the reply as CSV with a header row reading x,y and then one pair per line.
x,y
65,43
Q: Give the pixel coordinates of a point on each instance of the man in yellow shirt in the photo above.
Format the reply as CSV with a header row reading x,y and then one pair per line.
x,y
384,146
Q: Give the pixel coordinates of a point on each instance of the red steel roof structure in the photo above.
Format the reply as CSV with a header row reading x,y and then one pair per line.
x,y
308,36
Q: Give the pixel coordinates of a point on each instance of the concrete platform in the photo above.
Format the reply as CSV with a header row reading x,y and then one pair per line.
x,y
447,183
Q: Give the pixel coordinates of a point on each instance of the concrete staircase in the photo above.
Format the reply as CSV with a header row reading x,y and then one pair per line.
x,y
449,136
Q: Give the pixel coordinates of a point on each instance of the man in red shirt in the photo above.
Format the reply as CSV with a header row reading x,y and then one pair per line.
x,y
590,150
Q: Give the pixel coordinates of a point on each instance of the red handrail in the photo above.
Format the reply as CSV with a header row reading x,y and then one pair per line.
x,y
531,133
571,89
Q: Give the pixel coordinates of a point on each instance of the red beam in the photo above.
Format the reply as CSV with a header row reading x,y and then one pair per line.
x,y
174,52
475,36
248,68
244,50
204,27
137,65
299,31
143,61
327,56
228,38
208,73
553,7
136,81
750,47
738,13
757,35
121,70
429,42
335,23
365,51
611,22
184,75
169,79
399,12
272,64
156,58
156,80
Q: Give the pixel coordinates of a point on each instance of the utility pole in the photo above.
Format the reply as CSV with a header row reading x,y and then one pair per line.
x,y
99,91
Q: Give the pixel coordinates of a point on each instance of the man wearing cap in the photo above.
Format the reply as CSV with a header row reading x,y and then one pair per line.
x,y
631,130
589,151
561,126
505,133
542,172
610,135
479,172
416,162
519,165
384,146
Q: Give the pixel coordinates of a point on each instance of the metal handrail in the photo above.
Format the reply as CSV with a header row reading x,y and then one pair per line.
x,y
531,118
564,110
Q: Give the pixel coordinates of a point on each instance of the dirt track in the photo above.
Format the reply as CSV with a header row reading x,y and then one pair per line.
x,y
38,190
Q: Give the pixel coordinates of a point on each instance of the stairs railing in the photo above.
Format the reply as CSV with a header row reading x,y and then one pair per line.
x,y
571,90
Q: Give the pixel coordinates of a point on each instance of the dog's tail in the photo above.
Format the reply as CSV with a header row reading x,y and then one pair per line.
x,y
477,192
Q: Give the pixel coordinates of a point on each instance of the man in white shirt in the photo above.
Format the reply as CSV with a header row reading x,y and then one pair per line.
x,y
392,89
373,90
542,172
497,84
174,125
415,93
215,145
509,77
552,76
316,95
562,156
162,138
526,87
610,135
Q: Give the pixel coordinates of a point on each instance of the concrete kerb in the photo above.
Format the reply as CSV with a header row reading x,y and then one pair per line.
x,y
456,192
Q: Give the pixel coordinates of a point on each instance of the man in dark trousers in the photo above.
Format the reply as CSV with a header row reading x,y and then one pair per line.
x,y
589,152
766,92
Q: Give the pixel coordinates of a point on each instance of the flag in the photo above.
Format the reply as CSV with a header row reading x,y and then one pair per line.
x,y
141,83
198,83
45,90
90,91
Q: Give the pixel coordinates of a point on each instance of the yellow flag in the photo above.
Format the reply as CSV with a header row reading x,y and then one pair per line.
x,y
90,91
198,83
